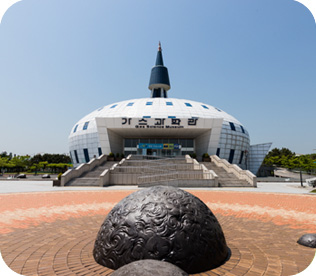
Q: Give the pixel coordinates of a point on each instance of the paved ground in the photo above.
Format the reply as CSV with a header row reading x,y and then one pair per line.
x,y
18,186
52,233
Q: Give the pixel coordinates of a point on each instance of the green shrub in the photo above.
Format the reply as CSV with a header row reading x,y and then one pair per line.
x,y
111,154
205,155
59,176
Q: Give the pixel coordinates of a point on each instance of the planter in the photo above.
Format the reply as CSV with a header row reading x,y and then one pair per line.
x,y
206,159
110,158
56,182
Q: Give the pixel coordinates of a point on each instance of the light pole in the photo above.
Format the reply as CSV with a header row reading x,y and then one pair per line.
x,y
301,178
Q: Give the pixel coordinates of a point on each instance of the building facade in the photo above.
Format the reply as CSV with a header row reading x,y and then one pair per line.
x,y
163,126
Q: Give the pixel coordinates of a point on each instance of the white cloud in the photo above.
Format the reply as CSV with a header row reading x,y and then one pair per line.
x,y
5,5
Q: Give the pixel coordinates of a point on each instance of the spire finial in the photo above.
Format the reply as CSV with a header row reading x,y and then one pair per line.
x,y
159,82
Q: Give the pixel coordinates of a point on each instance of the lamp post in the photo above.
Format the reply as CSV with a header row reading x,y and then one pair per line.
x,y
301,178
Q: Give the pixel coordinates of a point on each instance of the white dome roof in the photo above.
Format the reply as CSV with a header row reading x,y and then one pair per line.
x,y
158,108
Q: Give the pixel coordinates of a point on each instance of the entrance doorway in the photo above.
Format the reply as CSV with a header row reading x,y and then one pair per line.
x,y
159,146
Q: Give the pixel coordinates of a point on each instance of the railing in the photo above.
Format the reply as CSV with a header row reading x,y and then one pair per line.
x,y
153,157
157,168
174,175
191,173
237,171
161,161
153,162
189,179
133,172
81,169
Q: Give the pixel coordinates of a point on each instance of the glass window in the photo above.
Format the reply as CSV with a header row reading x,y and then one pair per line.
x,y
134,143
231,156
241,156
130,104
127,143
149,103
186,152
218,109
188,104
144,141
86,155
75,129
169,103
204,106
190,143
114,105
100,108
173,141
156,93
172,117
146,116
126,153
183,142
243,130
76,155
85,126
218,151
232,126
100,151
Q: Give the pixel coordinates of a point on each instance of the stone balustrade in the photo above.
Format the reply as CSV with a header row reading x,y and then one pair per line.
x,y
81,169
237,171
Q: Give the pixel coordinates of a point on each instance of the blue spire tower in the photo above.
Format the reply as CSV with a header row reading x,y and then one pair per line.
x,y
159,82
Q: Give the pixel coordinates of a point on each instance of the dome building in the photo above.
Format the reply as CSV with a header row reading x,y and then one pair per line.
x,y
163,126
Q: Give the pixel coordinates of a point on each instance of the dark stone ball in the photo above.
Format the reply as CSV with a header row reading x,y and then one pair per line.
x,y
308,240
161,223
149,268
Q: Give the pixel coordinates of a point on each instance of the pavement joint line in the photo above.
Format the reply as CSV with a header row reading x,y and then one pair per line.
x,y
247,235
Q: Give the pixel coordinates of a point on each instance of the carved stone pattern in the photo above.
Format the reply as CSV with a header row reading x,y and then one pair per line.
x,y
149,268
161,223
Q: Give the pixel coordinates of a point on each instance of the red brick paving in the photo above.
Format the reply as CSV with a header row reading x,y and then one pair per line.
x,y
53,233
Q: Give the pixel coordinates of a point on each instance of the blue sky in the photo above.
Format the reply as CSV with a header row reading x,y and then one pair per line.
x,y
62,59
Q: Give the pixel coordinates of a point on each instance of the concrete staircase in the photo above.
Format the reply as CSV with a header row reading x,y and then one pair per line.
x,y
182,172
91,178
226,179
178,171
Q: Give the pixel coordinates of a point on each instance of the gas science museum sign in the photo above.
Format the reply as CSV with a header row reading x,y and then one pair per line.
x,y
159,122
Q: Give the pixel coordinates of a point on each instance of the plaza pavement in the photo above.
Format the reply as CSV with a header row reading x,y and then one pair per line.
x,y
49,230
24,186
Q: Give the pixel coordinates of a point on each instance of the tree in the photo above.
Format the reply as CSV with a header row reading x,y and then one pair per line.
x,y
20,162
59,167
287,159
3,163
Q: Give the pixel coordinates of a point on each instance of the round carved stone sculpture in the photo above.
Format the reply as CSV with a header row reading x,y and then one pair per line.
x,y
161,223
149,268
308,240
